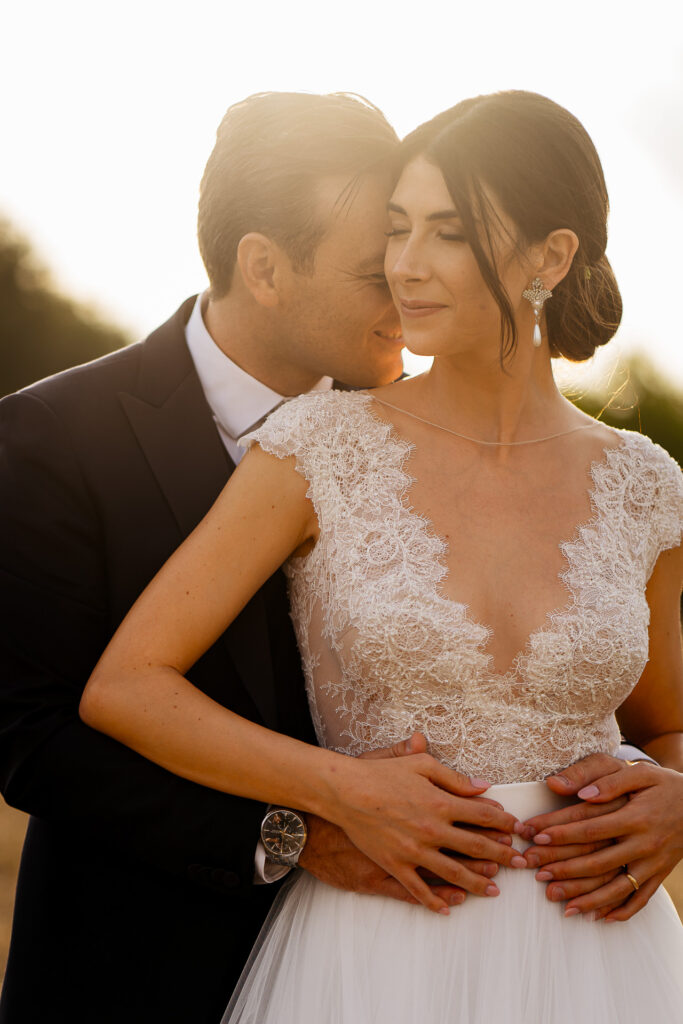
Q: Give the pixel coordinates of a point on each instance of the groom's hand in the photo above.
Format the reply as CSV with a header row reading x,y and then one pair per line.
x,y
331,856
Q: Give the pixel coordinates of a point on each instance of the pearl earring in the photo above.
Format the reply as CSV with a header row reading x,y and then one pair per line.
x,y
537,294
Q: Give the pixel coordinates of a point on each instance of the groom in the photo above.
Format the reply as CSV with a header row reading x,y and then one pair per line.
x,y
136,898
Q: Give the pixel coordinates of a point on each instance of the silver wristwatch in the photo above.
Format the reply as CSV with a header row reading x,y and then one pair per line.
x,y
283,834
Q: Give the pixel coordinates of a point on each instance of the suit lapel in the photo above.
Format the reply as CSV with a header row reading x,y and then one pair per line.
x,y
175,429
183,450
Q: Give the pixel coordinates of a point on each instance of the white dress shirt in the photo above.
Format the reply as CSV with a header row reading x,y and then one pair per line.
x,y
237,400
238,403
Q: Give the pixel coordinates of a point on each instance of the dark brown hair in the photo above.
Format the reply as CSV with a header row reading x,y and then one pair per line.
x,y
271,151
539,162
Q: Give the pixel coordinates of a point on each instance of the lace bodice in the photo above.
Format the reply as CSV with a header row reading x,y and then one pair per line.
x,y
385,653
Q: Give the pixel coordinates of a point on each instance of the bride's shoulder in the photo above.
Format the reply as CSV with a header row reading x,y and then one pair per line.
x,y
651,484
650,457
311,421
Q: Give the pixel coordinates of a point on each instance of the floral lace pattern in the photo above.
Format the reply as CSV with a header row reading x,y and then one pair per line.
x,y
385,653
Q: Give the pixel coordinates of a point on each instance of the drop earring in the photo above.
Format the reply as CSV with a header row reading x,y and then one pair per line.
x,y
537,294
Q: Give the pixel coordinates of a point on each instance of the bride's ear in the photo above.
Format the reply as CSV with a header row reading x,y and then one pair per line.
x,y
259,261
555,256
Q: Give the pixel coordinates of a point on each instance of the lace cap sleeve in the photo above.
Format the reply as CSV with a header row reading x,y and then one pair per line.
x,y
290,429
298,426
665,486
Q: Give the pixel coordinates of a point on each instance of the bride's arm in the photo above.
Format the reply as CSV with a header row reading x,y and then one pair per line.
x,y
652,715
400,813
137,692
646,832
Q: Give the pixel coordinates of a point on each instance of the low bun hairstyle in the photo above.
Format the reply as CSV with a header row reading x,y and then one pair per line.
x,y
541,165
585,310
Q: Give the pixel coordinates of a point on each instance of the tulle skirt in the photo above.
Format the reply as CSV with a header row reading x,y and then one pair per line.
x,y
330,957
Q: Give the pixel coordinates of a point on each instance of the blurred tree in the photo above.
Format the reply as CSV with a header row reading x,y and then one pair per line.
x,y
41,331
640,400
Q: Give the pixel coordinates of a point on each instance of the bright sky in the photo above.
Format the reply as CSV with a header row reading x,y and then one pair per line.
x,y
109,113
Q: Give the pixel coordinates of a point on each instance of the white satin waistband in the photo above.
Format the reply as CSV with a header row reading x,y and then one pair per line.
x,y
526,800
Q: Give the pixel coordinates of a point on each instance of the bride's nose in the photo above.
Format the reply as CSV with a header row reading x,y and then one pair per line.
x,y
406,263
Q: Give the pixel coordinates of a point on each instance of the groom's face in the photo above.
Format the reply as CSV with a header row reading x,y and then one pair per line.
x,y
340,320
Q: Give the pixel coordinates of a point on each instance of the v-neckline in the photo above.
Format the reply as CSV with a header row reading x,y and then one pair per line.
x,y
485,632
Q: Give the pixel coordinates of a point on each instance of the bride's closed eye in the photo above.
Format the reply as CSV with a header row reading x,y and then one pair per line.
x,y
443,235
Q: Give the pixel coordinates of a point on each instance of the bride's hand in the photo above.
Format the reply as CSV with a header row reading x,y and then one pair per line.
x,y
417,744
403,813
633,815
330,855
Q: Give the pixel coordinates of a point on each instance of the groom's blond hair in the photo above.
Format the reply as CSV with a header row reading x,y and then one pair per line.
x,y
271,151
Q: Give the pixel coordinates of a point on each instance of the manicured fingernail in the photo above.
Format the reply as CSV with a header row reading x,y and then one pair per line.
x,y
533,860
588,791
492,890
560,778
490,870
518,862
445,911
456,898
557,893
479,783
518,827
543,876
543,839
571,912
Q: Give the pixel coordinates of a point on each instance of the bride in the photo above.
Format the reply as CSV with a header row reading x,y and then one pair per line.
x,y
470,557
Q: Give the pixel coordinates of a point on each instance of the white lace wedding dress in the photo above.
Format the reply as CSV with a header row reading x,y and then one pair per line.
x,y
385,653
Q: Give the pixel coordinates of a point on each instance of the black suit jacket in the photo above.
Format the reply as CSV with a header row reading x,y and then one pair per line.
x,y
135,899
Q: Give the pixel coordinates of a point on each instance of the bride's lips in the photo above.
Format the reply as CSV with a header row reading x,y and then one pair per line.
x,y
412,308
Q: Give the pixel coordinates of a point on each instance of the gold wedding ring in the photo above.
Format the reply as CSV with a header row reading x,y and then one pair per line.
x,y
632,880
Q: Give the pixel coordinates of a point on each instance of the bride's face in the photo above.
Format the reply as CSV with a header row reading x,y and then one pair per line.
x,y
445,306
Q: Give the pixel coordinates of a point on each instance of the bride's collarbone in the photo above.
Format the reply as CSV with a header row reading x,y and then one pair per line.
x,y
478,509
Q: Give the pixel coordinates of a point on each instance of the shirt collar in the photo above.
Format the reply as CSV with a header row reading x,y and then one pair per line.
x,y
236,399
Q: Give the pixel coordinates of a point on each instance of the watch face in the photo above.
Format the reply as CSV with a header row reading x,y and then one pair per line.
x,y
283,833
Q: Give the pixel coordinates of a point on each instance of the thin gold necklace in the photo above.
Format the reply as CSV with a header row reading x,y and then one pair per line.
x,y
476,440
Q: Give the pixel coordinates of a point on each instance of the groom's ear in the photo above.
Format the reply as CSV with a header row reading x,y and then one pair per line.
x,y
259,260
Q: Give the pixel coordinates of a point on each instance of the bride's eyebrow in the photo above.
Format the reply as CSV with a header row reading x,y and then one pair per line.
x,y
443,215
451,214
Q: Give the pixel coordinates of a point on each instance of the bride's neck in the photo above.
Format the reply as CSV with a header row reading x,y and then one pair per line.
x,y
517,402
